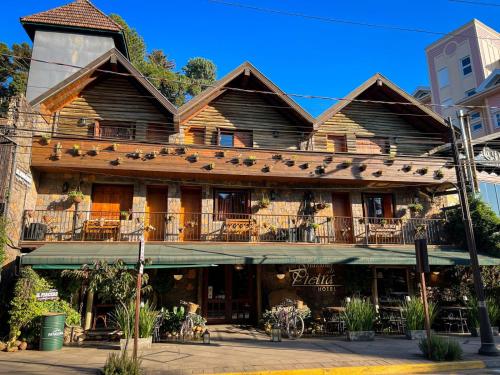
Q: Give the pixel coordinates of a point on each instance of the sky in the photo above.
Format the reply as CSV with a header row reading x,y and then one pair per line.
x,y
300,55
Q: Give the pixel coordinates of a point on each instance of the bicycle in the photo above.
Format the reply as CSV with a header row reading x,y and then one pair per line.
x,y
290,320
186,331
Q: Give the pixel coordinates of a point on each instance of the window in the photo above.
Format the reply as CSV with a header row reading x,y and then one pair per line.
x,y
336,143
475,121
443,78
496,118
235,202
378,205
470,92
109,200
466,65
375,145
194,136
230,138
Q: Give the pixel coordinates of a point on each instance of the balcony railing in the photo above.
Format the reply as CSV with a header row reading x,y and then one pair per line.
x,y
55,226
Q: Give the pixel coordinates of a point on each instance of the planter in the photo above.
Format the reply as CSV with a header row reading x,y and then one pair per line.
x,y
310,235
416,334
360,335
475,332
142,343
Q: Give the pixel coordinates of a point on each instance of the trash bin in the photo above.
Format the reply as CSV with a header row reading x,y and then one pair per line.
x,y
52,335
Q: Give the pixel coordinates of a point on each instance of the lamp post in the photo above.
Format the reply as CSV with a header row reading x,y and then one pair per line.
x,y
275,333
140,271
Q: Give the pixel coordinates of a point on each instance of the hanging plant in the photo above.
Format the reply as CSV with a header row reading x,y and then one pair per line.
x,y
416,207
251,160
125,215
438,174
77,151
423,171
95,150
362,167
407,167
114,146
321,205
76,196
264,202
346,164
46,138
314,226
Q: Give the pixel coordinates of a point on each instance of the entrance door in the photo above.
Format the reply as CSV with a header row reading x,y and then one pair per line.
x,y
156,211
190,214
229,294
109,200
343,226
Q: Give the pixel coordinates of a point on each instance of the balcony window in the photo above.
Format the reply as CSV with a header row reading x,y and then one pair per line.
x,y
336,143
466,65
114,130
194,136
109,200
231,138
443,78
235,202
378,205
226,139
496,119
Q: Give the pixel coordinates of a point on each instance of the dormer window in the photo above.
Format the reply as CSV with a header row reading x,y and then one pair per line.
x,y
233,138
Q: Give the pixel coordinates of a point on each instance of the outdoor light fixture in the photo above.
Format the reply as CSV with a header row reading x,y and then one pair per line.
x,y
178,277
206,337
83,121
276,333
238,267
435,272
280,276
407,298
347,299
465,298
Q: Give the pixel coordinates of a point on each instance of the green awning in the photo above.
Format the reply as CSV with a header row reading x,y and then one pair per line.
x,y
176,255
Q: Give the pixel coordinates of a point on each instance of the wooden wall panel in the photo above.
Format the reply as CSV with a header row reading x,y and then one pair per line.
x,y
249,111
372,120
117,102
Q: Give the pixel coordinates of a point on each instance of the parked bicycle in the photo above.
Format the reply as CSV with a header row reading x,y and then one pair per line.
x,y
187,327
289,318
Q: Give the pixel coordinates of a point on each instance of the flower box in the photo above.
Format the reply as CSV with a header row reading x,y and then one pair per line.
x,y
142,343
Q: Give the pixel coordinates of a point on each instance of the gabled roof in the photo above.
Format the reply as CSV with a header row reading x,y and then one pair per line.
x,y
490,81
490,86
79,13
221,86
72,82
393,94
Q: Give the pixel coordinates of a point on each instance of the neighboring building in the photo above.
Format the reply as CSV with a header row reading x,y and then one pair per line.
x,y
251,199
459,63
423,95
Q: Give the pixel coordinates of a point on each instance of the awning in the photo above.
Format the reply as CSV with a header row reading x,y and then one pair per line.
x,y
177,255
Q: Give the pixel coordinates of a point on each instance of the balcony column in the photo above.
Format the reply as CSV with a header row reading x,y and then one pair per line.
x,y
88,310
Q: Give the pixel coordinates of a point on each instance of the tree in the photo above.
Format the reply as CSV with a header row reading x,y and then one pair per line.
x,y
201,72
135,42
486,226
14,68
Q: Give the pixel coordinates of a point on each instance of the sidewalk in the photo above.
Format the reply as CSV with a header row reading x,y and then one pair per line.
x,y
235,350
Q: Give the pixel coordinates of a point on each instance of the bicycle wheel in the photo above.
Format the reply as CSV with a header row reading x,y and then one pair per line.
x,y
187,329
295,327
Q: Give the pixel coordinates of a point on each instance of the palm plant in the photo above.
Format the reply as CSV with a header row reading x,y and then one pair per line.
x,y
359,315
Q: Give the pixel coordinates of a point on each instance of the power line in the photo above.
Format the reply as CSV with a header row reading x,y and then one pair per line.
x,y
337,20
476,3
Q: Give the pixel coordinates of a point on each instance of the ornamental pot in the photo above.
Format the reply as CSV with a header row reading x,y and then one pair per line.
x,y
360,335
142,343
415,334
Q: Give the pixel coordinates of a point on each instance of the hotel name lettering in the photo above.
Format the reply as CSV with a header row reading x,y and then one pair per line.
x,y
315,276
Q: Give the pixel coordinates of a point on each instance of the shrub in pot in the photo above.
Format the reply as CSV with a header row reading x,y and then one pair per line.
x,y
414,314
123,316
359,317
122,364
76,196
442,349
473,315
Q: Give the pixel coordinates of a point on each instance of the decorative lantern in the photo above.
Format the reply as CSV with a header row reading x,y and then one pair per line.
x,y
206,337
407,298
347,299
276,333
178,277
280,276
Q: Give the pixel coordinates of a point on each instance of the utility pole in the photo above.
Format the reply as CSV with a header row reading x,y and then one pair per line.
x,y
469,150
487,342
140,271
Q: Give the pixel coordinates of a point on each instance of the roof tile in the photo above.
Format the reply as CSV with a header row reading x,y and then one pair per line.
x,y
80,13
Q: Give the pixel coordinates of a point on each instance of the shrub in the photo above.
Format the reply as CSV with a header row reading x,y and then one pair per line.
x,y
493,311
442,349
26,311
472,313
122,364
414,313
123,316
3,239
76,195
486,227
359,315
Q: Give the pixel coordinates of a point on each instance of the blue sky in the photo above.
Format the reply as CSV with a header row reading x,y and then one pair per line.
x,y
300,55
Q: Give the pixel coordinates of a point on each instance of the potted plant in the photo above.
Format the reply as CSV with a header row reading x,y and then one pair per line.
x,y
494,314
96,150
292,160
278,157
153,154
378,173
346,164
390,160
210,166
165,151
117,161
58,151
305,166
362,167
264,202
407,167
414,315
138,154
194,157
311,232
123,317
416,208
114,146
76,196
125,215
359,317
251,160
438,174
46,138
77,151
267,168
221,154
423,171
321,169
183,150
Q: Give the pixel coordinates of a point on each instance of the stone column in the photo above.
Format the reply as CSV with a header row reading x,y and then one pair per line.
x,y
88,310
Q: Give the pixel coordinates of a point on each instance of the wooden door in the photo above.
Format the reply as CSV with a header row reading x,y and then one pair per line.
x,y
109,200
343,222
156,212
190,214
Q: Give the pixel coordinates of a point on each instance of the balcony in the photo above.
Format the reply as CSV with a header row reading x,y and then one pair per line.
x,y
43,226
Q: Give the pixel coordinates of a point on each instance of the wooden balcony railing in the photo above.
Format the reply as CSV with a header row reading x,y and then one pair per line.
x,y
55,226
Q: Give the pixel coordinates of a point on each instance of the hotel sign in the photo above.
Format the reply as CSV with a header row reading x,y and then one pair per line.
x,y
315,276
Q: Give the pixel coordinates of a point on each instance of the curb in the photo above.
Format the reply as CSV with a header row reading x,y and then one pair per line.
x,y
409,368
